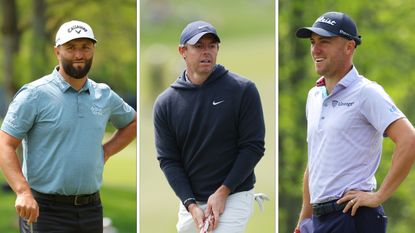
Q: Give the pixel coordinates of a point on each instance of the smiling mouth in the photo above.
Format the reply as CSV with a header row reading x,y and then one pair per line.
x,y
317,60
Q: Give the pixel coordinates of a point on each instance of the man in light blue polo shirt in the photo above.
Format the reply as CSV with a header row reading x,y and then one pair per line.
x,y
347,118
60,120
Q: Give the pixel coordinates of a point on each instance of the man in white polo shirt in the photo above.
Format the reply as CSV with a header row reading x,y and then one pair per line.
x,y
347,118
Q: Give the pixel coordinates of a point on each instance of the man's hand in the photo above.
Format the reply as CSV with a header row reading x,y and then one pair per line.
x,y
356,199
216,204
197,215
27,207
207,225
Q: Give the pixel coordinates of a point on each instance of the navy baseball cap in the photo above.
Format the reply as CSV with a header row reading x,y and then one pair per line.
x,y
332,24
195,30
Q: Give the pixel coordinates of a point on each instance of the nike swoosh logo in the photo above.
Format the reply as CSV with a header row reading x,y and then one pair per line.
x,y
200,27
216,103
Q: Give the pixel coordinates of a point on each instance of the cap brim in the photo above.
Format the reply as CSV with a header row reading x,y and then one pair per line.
x,y
69,39
197,37
306,32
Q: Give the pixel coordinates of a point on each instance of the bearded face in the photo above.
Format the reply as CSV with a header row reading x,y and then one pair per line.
x,y
76,57
75,70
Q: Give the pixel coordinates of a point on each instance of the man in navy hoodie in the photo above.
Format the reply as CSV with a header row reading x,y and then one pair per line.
x,y
209,133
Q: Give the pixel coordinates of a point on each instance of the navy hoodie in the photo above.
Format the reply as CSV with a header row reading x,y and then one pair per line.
x,y
210,134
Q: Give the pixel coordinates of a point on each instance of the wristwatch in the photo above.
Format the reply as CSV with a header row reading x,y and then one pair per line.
x,y
187,203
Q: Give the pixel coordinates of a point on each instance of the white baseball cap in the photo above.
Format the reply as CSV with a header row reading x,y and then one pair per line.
x,y
73,30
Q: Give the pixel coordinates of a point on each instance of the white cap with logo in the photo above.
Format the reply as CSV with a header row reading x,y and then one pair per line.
x,y
73,30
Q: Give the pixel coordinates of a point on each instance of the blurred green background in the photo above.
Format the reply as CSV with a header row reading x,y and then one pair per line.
x,y
27,35
247,32
386,56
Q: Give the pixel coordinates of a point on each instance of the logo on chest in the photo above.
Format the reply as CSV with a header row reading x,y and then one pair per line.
x,y
96,111
214,103
336,103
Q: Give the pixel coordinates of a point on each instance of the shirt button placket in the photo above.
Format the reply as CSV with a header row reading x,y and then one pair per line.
x,y
323,114
79,104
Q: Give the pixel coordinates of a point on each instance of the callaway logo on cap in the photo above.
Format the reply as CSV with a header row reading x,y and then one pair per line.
x,y
332,24
73,30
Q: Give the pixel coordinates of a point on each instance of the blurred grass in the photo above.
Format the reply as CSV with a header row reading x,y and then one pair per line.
x,y
8,218
118,194
246,29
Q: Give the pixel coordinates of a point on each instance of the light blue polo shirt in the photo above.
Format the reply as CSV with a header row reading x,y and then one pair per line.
x,y
345,133
62,131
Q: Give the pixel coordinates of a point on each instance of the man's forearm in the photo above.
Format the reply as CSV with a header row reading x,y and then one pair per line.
x,y
403,134
177,178
121,138
26,206
243,167
10,164
402,161
10,167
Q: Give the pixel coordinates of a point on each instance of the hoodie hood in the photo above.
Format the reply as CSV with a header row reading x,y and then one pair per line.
x,y
218,72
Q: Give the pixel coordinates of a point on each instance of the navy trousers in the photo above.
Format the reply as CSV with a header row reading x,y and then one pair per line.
x,y
65,218
366,220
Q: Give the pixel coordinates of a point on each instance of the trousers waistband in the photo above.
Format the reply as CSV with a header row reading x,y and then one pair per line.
x,y
76,200
321,209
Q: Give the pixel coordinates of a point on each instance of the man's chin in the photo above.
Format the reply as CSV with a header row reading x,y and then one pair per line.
x,y
78,67
206,70
78,77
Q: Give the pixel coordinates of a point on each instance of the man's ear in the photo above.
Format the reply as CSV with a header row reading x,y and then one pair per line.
x,y
56,51
182,51
350,46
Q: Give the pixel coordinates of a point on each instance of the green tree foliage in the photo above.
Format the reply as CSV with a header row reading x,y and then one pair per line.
x,y
385,56
114,24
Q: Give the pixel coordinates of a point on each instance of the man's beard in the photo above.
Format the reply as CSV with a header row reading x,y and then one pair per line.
x,y
74,72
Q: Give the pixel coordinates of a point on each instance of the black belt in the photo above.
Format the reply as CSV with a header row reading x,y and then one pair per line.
x,y
327,208
76,200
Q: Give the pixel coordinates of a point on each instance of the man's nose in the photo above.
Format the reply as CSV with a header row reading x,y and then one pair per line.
x,y
78,53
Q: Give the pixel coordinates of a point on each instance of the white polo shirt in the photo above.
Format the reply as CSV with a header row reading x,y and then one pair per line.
x,y
345,134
